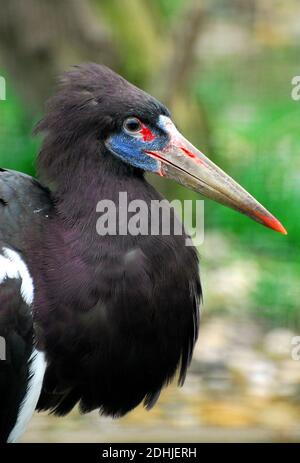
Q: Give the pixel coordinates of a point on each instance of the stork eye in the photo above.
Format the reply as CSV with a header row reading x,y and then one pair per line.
x,y
132,125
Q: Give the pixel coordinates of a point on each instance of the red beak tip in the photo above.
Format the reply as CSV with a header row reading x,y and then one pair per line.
x,y
283,230
271,222
275,225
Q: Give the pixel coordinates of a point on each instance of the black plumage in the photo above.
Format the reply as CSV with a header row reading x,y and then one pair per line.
x,y
23,208
115,315
103,321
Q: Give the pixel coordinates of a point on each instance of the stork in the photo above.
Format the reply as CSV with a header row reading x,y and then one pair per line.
x,y
102,321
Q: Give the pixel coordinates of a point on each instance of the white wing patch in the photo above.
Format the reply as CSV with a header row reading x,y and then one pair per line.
x,y
37,371
12,266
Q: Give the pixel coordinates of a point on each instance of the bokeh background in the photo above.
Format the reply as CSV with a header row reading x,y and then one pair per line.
x,y
224,68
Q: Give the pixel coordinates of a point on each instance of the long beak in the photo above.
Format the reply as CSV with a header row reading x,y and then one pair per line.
x,y
181,161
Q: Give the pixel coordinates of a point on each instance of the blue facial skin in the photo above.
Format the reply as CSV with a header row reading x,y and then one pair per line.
x,y
131,149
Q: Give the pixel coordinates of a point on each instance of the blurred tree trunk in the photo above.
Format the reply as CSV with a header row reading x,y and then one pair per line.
x,y
176,75
136,28
179,71
39,39
185,36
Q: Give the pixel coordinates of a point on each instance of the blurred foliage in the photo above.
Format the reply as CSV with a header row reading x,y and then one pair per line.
x,y
17,147
253,124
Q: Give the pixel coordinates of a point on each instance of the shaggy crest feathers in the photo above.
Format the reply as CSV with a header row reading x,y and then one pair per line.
x,y
91,102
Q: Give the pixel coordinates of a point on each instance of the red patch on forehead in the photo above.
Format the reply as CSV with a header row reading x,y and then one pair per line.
x,y
146,134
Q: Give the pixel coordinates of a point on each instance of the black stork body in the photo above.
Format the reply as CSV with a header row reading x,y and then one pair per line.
x,y
100,320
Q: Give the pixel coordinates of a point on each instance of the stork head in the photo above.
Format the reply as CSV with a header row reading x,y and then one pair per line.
x,y
136,129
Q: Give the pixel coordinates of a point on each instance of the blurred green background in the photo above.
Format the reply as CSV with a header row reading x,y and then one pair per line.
x,y
224,68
